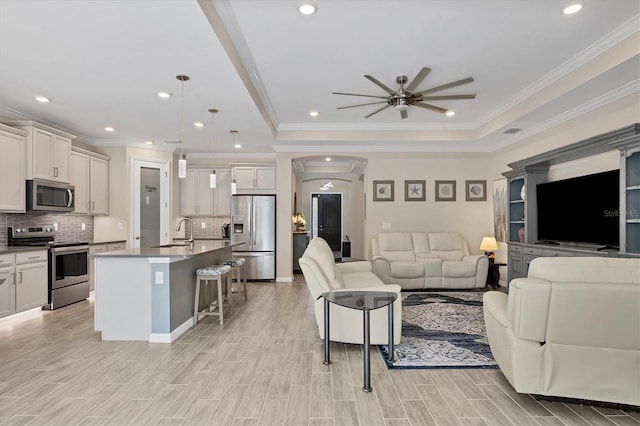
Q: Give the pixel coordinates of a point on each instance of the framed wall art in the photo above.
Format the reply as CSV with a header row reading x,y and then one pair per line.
x,y
476,190
382,190
445,190
414,190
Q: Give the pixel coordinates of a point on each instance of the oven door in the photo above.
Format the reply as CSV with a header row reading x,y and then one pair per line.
x,y
68,266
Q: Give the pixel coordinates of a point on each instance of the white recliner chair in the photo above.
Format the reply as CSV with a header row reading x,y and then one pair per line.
x,y
570,329
323,275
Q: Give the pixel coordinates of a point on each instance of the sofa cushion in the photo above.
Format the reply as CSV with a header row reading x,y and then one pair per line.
x,y
396,246
455,269
420,243
361,280
446,245
406,269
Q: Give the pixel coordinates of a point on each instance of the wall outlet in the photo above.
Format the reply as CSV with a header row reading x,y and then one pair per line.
x,y
159,277
119,225
203,225
55,227
386,225
83,226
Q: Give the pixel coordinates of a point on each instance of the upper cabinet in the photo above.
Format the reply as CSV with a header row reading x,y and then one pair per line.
x,y
48,151
89,173
258,177
197,199
12,169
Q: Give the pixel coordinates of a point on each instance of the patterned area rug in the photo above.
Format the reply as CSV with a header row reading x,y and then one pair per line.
x,y
442,329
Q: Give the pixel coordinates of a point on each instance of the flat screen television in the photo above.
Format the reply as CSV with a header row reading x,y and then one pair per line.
x,y
580,210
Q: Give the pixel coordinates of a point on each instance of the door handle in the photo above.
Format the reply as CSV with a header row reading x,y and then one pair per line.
x,y
70,197
20,282
93,205
138,237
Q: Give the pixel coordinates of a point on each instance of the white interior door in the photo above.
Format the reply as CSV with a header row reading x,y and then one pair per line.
x,y
149,203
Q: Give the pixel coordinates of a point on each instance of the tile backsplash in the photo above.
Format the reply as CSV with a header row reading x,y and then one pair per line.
x,y
213,227
69,225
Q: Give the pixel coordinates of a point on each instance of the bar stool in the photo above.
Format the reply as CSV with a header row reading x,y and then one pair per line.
x,y
221,274
237,265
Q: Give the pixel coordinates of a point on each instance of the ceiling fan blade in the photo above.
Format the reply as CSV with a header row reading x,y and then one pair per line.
x,y
356,94
378,83
448,85
359,105
430,107
446,97
418,79
377,111
403,114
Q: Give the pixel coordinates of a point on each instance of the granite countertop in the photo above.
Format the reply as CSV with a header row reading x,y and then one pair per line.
x,y
17,249
95,243
178,251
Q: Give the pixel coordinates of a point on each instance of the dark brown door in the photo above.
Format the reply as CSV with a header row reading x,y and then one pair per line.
x,y
330,219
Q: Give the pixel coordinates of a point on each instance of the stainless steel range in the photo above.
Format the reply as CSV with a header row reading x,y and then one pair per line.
x,y
68,273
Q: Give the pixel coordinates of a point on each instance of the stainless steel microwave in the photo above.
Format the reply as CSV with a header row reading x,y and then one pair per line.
x,y
48,196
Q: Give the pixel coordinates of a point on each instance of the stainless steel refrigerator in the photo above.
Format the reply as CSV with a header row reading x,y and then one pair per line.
x,y
253,223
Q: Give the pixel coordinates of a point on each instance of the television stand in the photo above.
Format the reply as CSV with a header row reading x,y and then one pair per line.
x,y
547,243
608,248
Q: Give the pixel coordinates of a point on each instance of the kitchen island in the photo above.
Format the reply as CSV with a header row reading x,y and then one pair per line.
x,y
147,294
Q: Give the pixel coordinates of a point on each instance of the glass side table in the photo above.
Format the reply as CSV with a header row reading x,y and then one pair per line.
x,y
365,301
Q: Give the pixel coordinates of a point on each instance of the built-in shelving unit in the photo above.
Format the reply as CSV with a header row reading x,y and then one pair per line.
x,y
528,173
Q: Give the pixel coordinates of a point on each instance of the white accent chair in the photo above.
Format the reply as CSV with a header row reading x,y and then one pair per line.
x,y
322,275
433,260
570,329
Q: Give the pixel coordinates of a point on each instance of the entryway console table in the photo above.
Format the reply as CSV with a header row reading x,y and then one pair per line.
x,y
526,174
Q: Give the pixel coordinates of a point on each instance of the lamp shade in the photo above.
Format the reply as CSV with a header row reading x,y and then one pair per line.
x,y
489,244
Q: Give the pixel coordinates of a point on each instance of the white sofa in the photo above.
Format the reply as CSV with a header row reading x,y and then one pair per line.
x,y
322,275
570,329
433,260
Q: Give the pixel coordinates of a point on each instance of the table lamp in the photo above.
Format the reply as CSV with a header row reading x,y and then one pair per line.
x,y
489,245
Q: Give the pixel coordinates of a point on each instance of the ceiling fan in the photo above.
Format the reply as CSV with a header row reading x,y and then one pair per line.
x,y
404,97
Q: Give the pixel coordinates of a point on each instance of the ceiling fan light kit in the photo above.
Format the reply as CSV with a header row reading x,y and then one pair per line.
x,y
405,97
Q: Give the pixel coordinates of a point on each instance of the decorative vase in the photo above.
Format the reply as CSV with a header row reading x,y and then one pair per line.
x,y
521,234
523,193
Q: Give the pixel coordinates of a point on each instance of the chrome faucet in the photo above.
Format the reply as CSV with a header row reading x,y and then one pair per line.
x,y
186,219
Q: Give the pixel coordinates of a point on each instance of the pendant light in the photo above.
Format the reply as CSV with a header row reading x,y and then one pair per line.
x,y
212,175
182,162
233,182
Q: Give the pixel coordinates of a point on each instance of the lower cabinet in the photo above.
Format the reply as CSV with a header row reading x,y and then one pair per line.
x,y
101,248
23,281
520,256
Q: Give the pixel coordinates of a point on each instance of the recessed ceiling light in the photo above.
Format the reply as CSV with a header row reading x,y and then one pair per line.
x,y
450,113
109,129
164,95
313,113
308,8
572,8
237,145
148,142
43,99
198,124
327,159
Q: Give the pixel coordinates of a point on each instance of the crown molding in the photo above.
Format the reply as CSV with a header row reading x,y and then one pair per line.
x,y
621,33
593,104
131,144
431,147
229,156
296,127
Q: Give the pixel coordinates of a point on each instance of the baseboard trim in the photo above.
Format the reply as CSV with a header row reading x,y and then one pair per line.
x,y
171,337
284,279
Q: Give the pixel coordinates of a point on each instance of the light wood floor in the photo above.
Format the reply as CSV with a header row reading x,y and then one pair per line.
x,y
264,367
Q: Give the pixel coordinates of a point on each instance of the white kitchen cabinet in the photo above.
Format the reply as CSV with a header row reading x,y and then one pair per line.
x,y
7,290
196,198
89,173
48,151
222,194
12,169
258,177
101,248
23,281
